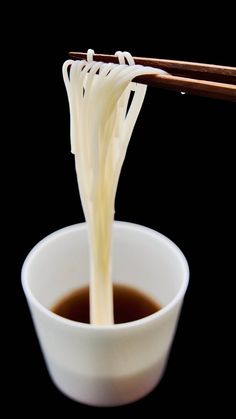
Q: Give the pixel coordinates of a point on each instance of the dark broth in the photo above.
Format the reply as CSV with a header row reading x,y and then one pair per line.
x,y
129,304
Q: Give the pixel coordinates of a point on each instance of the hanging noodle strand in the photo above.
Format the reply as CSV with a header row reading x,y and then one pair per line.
x,y
101,127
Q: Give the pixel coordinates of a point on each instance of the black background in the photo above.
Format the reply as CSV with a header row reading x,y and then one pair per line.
x,y
176,179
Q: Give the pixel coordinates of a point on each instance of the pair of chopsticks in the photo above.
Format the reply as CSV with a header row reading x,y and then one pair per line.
x,y
214,81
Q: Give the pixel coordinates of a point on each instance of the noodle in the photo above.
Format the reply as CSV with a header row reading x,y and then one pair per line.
x,y
101,127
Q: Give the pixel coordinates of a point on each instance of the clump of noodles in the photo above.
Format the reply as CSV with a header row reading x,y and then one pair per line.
x,y
101,127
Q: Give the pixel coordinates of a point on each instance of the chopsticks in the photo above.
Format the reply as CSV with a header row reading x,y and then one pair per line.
x,y
214,81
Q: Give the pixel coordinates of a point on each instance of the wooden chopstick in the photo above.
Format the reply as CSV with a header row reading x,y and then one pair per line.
x,y
176,68
214,81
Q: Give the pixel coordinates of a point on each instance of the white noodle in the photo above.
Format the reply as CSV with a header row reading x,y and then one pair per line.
x,y
101,128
